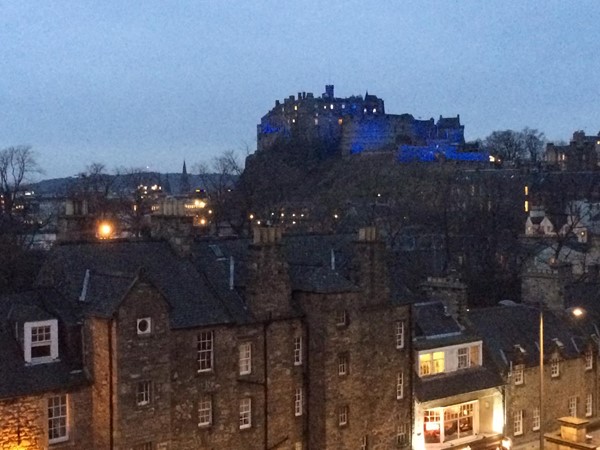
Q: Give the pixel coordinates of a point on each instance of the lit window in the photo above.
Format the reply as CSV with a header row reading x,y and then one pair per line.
x,y
536,419
518,422
573,406
143,393
589,360
331,106
554,368
298,402
432,426
295,107
344,107
463,358
205,412
298,351
245,358
343,416
402,434
341,319
589,405
400,334
245,413
316,121
205,351
526,207
518,375
340,121
41,341
343,364
58,419
431,363
526,190
374,110
400,385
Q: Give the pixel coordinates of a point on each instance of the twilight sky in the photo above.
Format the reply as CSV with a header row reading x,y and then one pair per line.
x,y
149,83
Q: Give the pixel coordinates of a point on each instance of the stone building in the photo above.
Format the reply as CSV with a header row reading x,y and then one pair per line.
x,y
582,153
511,337
218,344
352,124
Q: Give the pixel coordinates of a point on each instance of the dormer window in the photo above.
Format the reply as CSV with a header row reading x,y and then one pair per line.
x,y
40,343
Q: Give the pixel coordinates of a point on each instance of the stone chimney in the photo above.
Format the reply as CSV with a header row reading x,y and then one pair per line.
x,y
268,286
572,435
450,291
371,273
178,231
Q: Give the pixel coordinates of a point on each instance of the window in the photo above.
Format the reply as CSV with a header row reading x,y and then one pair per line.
x,y
245,413
144,326
364,443
536,419
144,446
518,375
573,406
463,358
341,318
399,334
431,363
205,412
245,358
458,421
475,355
343,364
205,351
58,419
402,435
298,351
143,393
41,341
400,385
589,405
518,422
554,368
589,360
343,416
298,402
432,426
298,446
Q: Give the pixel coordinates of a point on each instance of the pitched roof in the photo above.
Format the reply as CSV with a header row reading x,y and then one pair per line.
x,y
454,383
113,266
17,377
508,329
431,320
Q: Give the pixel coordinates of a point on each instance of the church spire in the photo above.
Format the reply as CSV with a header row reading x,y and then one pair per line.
x,y
185,181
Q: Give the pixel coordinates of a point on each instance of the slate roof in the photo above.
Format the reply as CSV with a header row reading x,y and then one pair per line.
x,y
113,266
505,327
431,320
17,378
454,383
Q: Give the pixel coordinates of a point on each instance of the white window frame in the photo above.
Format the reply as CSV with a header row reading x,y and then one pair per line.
x,y
205,412
298,351
343,416
589,360
245,413
245,362
555,368
205,349
518,423
518,375
589,405
298,402
143,392
573,406
400,334
400,386
463,361
341,318
402,434
364,442
30,342
298,446
342,364
536,419
58,418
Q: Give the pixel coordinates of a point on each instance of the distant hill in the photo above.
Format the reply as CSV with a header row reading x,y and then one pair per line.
x,y
170,182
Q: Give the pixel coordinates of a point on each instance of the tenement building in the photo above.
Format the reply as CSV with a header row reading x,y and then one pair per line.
x,y
272,343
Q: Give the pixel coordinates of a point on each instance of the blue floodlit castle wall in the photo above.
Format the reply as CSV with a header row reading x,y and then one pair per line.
x,y
358,124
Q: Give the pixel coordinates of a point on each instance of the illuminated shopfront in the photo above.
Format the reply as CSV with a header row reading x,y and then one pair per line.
x,y
450,423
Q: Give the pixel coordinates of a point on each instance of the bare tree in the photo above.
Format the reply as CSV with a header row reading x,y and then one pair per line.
x,y
218,178
506,145
533,142
16,164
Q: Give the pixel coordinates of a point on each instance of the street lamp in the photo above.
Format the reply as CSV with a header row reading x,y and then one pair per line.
x,y
576,312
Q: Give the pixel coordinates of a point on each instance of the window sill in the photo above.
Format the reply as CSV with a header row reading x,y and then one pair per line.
x,y
58,440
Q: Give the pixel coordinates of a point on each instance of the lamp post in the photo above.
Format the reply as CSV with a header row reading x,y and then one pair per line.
x,y
575,312
541,405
